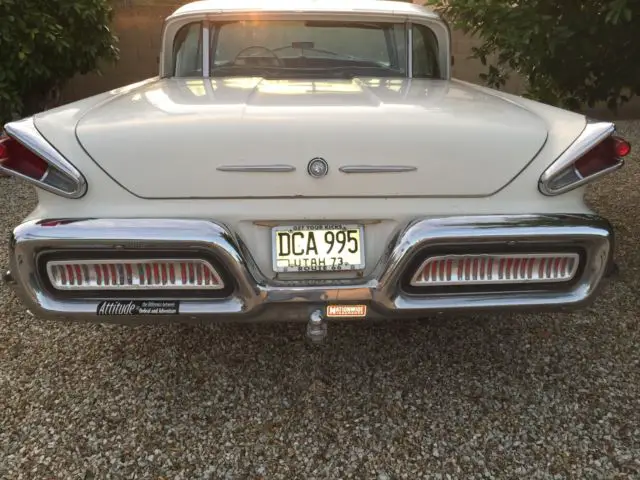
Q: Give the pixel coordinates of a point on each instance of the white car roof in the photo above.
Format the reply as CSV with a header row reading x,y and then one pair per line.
x,y
328,6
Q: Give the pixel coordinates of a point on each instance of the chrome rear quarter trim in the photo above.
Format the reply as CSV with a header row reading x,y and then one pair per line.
x,y
26,133
255,298
593,133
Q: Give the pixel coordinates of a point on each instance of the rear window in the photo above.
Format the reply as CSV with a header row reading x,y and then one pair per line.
x,y
306,48
309,44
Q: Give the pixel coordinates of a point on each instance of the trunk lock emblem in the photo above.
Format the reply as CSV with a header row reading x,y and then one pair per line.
x,y
318,167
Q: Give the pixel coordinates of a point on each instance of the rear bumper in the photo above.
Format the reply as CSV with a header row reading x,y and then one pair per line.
x,y
254,298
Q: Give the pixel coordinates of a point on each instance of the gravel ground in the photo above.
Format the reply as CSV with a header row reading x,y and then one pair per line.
x,y
545,396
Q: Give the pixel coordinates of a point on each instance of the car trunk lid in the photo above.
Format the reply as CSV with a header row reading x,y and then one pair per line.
x,y
252,137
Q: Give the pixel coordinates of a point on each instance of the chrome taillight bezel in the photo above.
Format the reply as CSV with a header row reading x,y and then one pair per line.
x,y
60,171
418,261
51,258
496,269
564,167
143,274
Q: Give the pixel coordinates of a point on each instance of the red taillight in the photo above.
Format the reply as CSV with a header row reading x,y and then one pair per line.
x,y
623,148
184,274
487,269
605,155
17,158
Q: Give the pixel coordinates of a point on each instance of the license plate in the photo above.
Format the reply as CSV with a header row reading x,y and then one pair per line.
x,y
318,248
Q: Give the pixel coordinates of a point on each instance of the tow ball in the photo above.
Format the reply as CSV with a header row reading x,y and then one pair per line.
x,y
317,327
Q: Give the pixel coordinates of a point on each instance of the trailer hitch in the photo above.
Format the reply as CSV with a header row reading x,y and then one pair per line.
x,y
317,327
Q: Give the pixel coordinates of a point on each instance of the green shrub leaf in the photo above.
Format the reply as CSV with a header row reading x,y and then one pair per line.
x,y
44,43
570,53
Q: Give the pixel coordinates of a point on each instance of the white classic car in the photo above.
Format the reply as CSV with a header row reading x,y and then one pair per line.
x,y
306,161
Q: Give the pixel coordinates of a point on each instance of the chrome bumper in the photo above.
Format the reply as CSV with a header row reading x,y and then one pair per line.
x,y
256,298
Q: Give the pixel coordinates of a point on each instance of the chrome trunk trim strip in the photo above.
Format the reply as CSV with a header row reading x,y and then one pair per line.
x,y
377,168
256,168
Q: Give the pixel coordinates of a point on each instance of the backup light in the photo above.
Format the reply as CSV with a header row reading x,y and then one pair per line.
x,y
156,274
447,270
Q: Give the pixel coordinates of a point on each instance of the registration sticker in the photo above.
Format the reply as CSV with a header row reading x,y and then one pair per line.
x,y
346,311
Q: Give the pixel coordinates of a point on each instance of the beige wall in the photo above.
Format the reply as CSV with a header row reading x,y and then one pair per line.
x,y
138,29
138,24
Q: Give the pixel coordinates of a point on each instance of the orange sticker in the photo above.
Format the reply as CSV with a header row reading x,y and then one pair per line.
x,y
346,311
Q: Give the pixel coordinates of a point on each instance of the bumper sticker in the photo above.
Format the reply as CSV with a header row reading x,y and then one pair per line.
x,y
146,307
346,311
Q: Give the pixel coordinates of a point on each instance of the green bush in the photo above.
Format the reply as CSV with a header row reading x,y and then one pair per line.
x,y
43,44
573,53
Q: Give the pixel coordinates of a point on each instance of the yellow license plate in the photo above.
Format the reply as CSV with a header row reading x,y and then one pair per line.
x,y
318,248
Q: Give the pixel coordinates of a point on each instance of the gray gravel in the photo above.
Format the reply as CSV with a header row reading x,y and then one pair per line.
x,y
545,396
